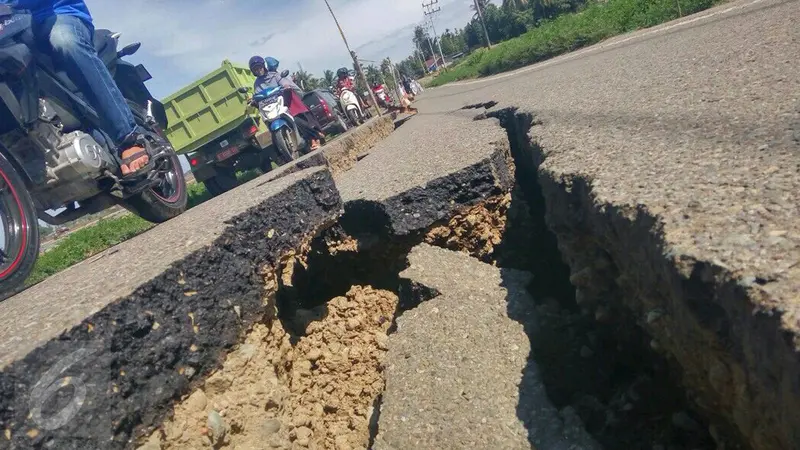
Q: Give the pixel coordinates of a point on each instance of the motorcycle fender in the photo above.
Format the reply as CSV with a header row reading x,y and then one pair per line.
x,y
277,124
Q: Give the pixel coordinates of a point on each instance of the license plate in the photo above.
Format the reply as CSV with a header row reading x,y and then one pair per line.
x,y
223,143
225,154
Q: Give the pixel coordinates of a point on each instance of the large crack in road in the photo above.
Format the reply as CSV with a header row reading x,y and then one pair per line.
x,y
421,299
570,376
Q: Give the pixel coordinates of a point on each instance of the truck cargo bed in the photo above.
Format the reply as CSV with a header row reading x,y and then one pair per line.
x,y
207,108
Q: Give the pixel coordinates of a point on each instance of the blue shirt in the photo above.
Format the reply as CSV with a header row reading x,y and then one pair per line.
x,y
43,9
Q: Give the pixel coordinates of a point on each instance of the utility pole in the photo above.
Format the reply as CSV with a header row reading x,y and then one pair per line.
x,y
429,11
480,16
357,65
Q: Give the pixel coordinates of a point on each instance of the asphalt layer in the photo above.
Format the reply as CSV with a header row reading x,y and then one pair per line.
x,y
459,374
426,170
137,336
676,151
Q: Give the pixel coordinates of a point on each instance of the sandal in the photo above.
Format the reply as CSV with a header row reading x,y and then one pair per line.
x,y
147,167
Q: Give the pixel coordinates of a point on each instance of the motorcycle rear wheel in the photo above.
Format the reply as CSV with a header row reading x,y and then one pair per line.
x,y
168,199
20,230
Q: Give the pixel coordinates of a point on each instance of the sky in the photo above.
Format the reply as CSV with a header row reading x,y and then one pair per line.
x,y
184,39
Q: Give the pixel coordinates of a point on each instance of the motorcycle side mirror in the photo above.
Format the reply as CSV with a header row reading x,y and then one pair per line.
x,y
129,49
243,90
284,74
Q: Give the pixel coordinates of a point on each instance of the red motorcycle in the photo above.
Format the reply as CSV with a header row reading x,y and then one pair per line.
x,y
382,95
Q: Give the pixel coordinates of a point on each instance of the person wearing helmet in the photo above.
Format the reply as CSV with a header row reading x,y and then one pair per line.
x,y
266,72
344,81
267,76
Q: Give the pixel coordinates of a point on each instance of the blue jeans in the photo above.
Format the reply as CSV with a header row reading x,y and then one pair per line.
x,y
70,41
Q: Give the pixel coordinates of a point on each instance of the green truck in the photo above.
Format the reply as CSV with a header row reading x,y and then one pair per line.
x,y
210,125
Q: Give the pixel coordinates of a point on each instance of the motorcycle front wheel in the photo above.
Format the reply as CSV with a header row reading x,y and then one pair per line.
x,y
286,144
20,230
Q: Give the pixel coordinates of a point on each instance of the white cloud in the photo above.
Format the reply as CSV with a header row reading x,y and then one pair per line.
x,y
184,39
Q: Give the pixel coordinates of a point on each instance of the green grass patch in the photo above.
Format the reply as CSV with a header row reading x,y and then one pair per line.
x,y
85,243
197,192
107,233
596,22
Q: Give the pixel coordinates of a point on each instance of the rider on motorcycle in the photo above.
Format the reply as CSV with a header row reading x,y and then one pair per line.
x,y
344,81
266,72
64,29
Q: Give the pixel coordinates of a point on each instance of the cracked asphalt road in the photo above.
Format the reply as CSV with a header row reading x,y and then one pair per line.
x,y
698,121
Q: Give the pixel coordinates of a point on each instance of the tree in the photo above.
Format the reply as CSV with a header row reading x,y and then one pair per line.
x,y
482,4
515,5
422,40
330,78
305,80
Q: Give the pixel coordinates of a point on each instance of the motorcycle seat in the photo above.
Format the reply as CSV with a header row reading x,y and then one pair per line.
x,y
103,44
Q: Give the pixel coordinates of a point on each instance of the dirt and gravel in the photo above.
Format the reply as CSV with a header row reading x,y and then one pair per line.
x,y
310,384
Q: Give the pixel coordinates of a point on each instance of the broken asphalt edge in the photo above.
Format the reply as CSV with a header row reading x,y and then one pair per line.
x,y
142,353
736,355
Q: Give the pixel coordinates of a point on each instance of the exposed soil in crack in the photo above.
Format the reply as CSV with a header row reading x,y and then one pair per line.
x,y
314,378
272,393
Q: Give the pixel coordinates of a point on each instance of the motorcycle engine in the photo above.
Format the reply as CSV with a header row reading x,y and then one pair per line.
x,y
74,161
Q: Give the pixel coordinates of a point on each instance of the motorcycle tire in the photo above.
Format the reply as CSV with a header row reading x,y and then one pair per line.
x,y
155,204
286,144
20,228
354,118
341,124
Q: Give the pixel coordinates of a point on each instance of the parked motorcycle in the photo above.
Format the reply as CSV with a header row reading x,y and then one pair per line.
x,y
275,113
53,152
352,107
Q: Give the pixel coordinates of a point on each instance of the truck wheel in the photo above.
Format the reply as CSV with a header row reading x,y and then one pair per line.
x,y
222,182
20,248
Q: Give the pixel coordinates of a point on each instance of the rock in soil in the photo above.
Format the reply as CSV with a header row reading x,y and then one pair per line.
x,y
279,390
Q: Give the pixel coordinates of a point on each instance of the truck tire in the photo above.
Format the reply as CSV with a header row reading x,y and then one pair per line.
x,y
21,230
222,182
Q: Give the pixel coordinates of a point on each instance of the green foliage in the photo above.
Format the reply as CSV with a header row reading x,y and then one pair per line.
x,y
569,32
107,233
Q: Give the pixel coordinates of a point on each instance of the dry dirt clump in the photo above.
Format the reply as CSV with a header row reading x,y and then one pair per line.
x,y
309,387
477,230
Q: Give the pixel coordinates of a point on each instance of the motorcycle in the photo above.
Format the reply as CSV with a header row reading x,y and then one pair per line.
x,y
53,152
382,96
274,111
352,107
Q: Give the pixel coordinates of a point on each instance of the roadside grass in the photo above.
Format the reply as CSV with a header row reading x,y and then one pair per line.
x,y
86,243
107,233
569,32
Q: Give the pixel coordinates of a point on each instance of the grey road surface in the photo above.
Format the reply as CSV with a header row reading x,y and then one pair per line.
x,y
676,151
697,120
